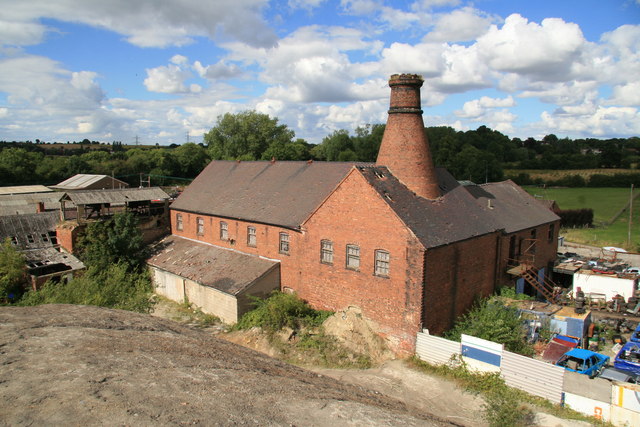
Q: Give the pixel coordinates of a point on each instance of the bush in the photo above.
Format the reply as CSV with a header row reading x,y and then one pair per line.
x,y
280,310
113,287
491,320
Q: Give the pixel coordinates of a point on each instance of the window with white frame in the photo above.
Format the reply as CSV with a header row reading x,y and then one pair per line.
x,y
284,243
179,222
326,252
353,257
200,226
224,231
251,236
382,263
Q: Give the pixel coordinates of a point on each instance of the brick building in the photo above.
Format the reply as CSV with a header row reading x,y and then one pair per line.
x,y
400,239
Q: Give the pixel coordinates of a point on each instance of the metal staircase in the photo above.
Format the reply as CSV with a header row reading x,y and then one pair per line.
x,y
525,267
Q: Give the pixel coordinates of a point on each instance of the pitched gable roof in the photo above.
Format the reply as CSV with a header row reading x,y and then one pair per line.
x,y
511,207
453,217
277,193
82,181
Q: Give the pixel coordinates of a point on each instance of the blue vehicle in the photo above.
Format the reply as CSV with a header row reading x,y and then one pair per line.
x,y
635,336
582,361
628,358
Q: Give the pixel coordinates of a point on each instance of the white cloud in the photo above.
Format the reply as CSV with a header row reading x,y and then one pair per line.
x,y
305,4
361,7
478,107
166,79
460,25
432,4
220,70
145,23
598,122
627,95
545,52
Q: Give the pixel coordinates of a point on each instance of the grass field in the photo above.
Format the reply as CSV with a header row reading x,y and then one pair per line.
x,y
605,202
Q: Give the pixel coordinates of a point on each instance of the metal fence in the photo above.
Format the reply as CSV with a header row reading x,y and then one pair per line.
x,y
533,376
435,350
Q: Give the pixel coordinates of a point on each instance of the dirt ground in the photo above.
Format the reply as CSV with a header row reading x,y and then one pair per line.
x,y
65,364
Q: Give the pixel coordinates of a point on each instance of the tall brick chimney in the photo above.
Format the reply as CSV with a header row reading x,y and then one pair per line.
x,y
405,148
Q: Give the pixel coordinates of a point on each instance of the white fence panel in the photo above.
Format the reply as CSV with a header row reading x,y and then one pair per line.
x,y
533,376
435,350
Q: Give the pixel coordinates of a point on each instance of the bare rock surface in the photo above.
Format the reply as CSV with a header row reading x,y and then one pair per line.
x,y
65,364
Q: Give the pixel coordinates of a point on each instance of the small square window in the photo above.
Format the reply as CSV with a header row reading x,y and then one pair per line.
x,y
382,263
326,251
14,240
353,257
200,226
179,225
224,231
251,236
30,238
44,237
284,243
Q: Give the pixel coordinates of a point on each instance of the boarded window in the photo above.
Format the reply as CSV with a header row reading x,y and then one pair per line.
x,y
326,251
284,243
251,236
382,263
224,231
179,222
200,229
353,257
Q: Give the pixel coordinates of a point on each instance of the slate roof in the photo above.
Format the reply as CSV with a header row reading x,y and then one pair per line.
x,y
453,217
83,180
38,259
123,195
280,193
222,269
34,225
511,207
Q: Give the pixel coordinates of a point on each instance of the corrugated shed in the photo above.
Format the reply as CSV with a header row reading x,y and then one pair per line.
x,y
83,181
453,217
222,269
278,193
51,255
24,189
28,203
511,207
124,195
28,229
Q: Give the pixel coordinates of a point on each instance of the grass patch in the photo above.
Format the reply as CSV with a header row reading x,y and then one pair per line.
x,y
552,175
504,406
606,203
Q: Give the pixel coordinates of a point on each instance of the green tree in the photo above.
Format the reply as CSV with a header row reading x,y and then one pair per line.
x,y
245,136
12,272
367,141
117,240
335,143
190,159
491,320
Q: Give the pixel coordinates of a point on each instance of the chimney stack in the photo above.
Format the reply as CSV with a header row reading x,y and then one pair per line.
x,y
405,148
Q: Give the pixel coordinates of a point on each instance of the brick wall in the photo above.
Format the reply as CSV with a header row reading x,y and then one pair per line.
x,y
355,214
545,253
455,276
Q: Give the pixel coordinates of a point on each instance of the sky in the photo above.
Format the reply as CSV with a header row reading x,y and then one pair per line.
x,y
164,71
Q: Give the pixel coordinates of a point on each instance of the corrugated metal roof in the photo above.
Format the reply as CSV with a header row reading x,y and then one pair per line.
x,y
27,203
278,193
23,189
28,229
222,269
123,195
81,180
511,207
453,217
52,255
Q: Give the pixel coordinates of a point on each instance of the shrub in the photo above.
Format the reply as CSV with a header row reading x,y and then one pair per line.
x,y
113,287
493,321
280,310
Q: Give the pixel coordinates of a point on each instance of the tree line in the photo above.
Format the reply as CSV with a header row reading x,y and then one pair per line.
x,y
479,155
